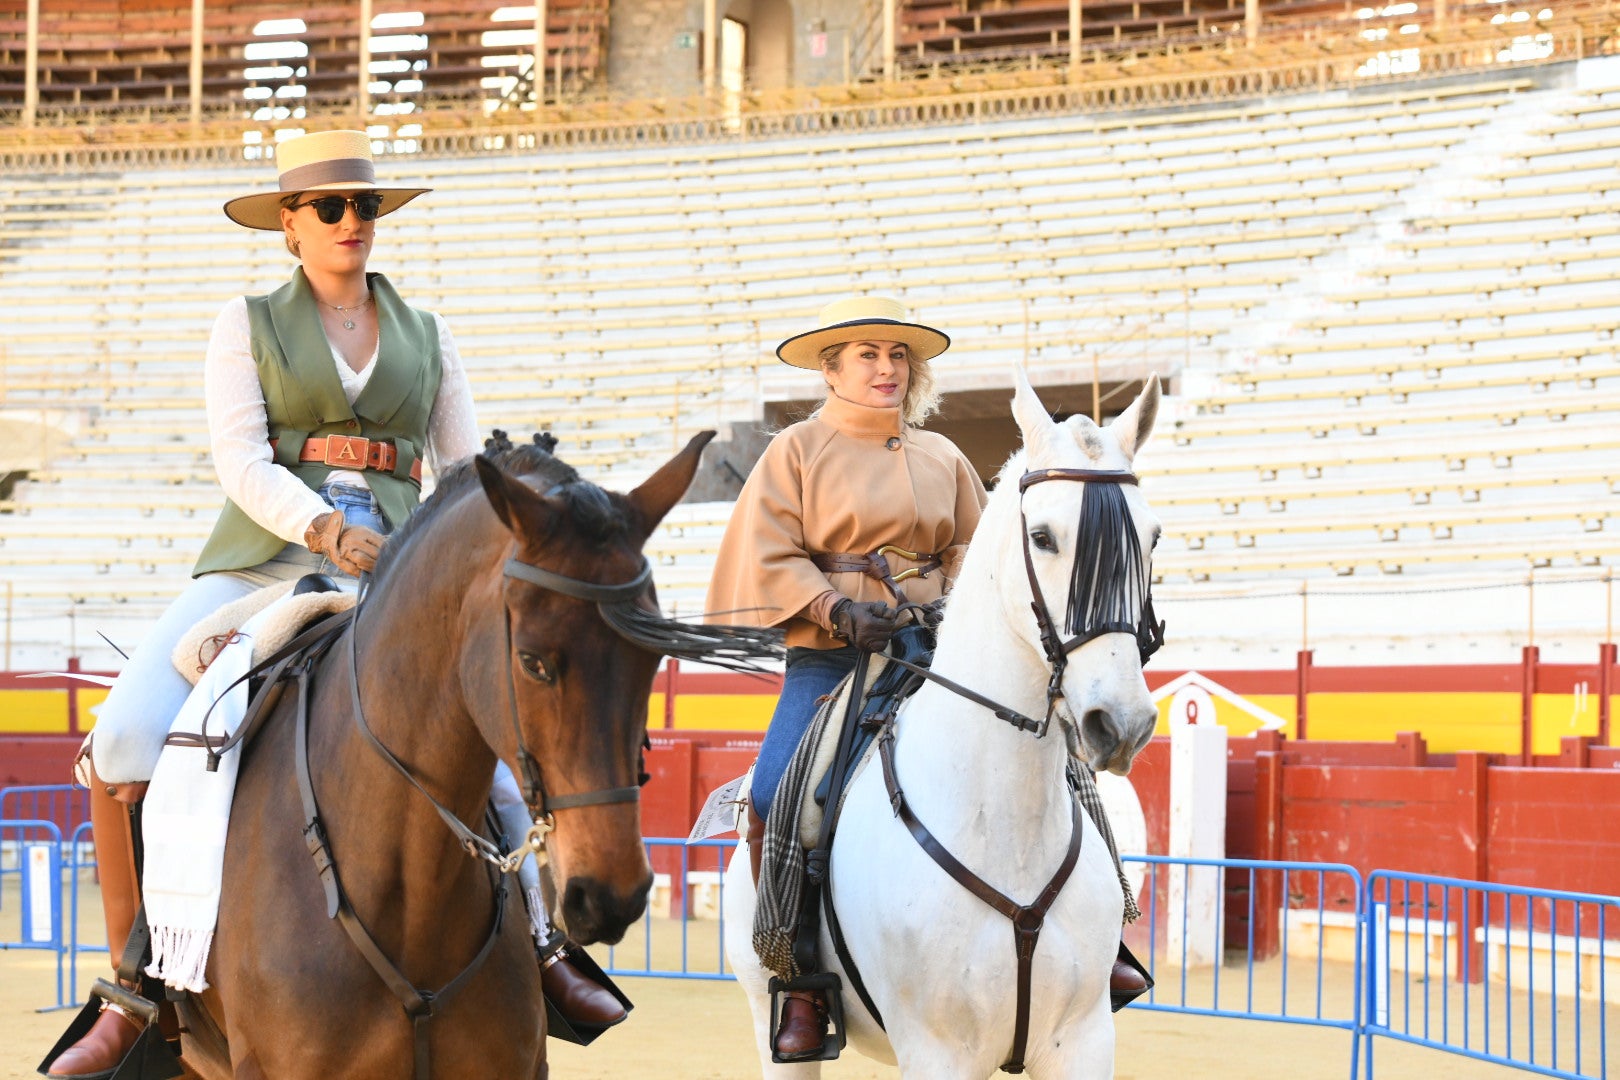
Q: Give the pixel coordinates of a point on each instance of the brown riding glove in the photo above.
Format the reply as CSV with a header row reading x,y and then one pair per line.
x,y
352,548
867,626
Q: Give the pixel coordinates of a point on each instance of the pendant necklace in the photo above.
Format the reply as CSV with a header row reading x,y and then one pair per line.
x,y
348,319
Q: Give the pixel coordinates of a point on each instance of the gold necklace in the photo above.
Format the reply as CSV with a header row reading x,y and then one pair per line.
x,y
348,320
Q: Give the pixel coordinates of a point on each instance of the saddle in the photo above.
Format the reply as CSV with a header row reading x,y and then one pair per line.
x,y
312,596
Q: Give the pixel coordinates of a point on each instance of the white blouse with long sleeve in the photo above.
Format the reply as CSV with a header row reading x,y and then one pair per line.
x,y
239,430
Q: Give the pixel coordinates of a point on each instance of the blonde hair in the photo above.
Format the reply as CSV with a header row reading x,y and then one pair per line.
x,y
921,400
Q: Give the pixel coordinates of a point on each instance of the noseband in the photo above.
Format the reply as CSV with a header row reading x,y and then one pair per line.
x,y
1148,631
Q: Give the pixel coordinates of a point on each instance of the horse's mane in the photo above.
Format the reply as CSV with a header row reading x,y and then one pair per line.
x,y
597,517
591,509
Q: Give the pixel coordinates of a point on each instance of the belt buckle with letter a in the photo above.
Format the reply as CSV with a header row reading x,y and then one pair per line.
x,y
345,451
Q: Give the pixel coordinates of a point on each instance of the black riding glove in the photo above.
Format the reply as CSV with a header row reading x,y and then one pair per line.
x,y
867,626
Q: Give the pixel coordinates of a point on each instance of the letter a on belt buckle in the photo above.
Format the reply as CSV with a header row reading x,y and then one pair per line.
x,y
345,450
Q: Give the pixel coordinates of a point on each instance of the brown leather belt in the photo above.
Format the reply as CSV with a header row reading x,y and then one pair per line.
x,y
354,452
875,565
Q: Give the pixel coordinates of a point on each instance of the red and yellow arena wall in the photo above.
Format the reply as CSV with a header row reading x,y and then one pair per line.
x,y
1526,709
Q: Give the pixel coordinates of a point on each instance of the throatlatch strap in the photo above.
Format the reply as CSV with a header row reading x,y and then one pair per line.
x,y
1027,919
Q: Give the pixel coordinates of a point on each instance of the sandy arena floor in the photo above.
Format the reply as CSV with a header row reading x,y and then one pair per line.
x,y
698,1030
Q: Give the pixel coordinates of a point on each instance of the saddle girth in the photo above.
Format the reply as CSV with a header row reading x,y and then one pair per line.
x,y
1027,919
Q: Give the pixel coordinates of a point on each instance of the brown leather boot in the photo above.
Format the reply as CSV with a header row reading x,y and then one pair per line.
x,y
803,1026
579,999
1125,979
98,1053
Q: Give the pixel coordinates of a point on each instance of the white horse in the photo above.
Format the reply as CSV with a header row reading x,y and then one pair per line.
x,y
938,962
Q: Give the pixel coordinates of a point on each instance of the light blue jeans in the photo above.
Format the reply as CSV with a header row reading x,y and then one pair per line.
x,y
134,720
812,674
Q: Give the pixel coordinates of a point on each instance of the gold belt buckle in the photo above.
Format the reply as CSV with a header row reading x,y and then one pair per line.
x,y
915,571
345,451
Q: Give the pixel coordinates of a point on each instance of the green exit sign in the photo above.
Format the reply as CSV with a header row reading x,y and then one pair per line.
x,y
686,39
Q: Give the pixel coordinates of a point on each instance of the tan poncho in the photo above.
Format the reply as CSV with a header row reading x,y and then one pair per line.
x,y
833,484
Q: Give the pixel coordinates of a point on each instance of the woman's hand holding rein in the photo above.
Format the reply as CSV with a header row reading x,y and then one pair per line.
x,y
352,548
867,626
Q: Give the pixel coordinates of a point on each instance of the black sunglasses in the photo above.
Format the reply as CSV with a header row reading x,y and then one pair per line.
x,y
330,208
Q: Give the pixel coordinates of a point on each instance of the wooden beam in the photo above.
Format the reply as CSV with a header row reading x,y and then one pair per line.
x,y
1074,42
31,65
362,100
1251,20
539,71
196,76
888,40
711,44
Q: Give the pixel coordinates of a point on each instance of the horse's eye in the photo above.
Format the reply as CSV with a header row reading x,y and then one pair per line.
x,y
534,666
1043,540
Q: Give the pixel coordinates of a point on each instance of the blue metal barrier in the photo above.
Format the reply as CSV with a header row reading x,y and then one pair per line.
x,y
46,833
1506,974
77,864
1515,976
1192,973
64,804
702,857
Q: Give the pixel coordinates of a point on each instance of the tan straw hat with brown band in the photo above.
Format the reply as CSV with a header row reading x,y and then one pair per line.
x,y
859,318
331,161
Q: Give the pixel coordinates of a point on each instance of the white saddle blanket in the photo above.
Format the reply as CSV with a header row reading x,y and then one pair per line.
x,y
202,643
187,811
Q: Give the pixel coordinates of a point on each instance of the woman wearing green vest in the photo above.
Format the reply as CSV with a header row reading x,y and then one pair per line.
x,y
324,400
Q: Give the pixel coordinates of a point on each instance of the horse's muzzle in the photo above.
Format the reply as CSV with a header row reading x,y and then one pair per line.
x,y
1110,746
593,911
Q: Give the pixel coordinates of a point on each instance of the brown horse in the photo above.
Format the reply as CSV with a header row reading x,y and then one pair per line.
x,y
461,656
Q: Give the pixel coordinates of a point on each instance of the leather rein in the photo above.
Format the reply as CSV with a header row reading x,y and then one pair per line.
x,y
422,1005
1027,919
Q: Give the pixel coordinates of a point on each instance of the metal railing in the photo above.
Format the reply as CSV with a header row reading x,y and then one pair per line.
x,y
1511,975
1507,974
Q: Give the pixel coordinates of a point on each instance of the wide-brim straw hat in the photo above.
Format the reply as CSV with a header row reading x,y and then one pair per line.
x,y
858,318
329,161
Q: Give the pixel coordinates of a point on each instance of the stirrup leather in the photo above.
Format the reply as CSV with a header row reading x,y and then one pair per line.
x,y
150,1058
831,987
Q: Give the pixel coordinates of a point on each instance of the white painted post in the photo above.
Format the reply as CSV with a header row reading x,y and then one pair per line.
x,y
1197,831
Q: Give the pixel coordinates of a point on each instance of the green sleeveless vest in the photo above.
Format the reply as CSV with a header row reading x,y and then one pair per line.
x,y
303,398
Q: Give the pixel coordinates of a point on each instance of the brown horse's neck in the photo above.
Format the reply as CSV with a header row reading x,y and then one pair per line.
x,y
402,867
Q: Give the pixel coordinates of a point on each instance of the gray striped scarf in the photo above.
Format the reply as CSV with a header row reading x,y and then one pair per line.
x,y
1085,789
781,871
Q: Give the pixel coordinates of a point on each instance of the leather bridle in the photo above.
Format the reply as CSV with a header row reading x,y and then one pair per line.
x,y
1149,633
541,803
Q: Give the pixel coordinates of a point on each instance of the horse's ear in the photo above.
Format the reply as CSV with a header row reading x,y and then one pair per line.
x,y
1133,426
1034,422
664,488
520,508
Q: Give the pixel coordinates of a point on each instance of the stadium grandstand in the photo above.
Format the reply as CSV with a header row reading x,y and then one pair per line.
x,y
1370,251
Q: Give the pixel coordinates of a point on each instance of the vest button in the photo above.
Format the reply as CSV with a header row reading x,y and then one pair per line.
x,y
352,424
893,443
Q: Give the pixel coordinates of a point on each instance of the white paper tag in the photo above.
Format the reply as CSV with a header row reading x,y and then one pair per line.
x,y
719,813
